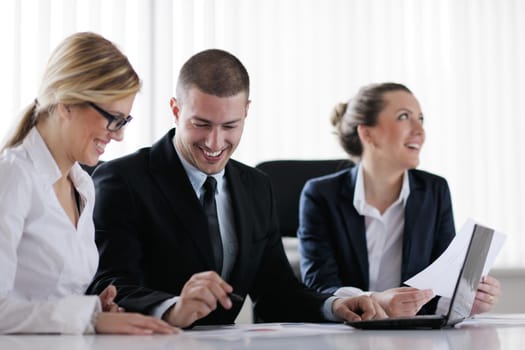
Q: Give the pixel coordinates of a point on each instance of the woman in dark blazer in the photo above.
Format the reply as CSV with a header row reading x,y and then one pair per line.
x,y
369,228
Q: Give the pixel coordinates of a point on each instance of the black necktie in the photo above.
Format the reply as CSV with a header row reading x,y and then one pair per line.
x,y
210,209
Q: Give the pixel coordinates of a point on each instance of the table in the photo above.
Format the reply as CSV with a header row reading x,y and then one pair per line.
x,y
485,337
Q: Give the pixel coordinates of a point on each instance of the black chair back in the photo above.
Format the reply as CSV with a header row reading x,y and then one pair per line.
x,y
288,178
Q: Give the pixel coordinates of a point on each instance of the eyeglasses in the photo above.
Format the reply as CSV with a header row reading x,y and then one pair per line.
x,y
114,123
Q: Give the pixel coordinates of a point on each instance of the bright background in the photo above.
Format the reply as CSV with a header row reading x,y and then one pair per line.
x,y
463,59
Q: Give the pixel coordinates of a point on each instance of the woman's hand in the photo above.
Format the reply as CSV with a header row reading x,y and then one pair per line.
x,y
131,323
402,301
107,298
487,295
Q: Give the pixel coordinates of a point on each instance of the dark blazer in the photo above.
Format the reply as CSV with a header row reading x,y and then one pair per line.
x,y
333,239
152,237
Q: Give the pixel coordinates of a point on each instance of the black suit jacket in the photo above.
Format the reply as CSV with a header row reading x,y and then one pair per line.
x,y
333,236
152,236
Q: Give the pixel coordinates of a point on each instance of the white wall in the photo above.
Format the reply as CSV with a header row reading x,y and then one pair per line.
x,y
513,290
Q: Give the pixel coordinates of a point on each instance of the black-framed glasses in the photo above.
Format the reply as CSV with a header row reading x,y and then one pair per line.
x,y
114,123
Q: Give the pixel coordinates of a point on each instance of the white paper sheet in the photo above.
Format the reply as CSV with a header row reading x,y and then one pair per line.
x,y
494,319
267,330
441,276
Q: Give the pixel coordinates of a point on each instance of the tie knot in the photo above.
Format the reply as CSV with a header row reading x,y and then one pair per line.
x,y
210,184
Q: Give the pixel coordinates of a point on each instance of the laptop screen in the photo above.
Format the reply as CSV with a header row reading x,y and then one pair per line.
x,y
470,274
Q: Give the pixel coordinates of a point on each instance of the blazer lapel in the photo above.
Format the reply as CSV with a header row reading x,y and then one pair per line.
x,y
243,227
355,224
167,171
412,213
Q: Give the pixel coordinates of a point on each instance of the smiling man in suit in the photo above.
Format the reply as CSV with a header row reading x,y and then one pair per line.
x,y
180,226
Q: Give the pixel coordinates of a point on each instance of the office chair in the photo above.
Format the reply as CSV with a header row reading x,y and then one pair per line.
x,y
288,178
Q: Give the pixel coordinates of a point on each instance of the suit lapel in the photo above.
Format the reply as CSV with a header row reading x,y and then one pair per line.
x,y
167,172
412,212
243,229
355,224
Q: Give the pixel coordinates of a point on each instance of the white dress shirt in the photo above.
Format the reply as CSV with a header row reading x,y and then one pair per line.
x,y
384,239
46,263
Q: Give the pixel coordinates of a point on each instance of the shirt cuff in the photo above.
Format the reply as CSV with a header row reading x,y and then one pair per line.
x,y
327,310
344,292
76,314
159,311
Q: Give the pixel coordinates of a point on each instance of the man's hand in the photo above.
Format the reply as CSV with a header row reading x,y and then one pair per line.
x,y
403,301
487,295
357,308
198,298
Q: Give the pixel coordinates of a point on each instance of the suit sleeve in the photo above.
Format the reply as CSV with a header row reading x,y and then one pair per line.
x,y
319,268
445,229
278,295
118,237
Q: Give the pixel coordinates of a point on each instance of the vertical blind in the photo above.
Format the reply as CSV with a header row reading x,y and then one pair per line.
x,y
463,59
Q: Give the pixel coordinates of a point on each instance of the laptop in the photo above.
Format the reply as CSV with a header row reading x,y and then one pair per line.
x,y
462,298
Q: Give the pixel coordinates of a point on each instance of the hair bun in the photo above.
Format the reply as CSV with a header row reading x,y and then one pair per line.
x,y
337,113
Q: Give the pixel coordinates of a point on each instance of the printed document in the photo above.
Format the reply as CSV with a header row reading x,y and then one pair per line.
x,y
442,274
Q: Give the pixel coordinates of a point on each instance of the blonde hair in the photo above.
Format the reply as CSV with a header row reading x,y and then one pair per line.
x,y
85,67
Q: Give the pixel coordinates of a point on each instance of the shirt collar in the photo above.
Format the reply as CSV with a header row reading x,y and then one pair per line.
x,y
359,192
42,158
46,165
405,189
197,177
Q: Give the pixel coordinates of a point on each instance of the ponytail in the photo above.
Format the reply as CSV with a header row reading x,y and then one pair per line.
x,y
26,123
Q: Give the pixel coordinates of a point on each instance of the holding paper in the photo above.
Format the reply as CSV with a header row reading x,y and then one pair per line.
x,y
466,293
441,275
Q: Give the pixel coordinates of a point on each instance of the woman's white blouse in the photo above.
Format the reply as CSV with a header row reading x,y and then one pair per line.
x,y
46,263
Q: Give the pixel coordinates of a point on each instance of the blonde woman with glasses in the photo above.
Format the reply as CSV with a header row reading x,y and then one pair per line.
x,y
47,250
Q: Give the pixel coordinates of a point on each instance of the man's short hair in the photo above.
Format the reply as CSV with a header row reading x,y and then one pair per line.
x,y
214,72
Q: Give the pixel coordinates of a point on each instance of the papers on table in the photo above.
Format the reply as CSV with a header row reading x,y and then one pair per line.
x,y
441,276
494,319
270,330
